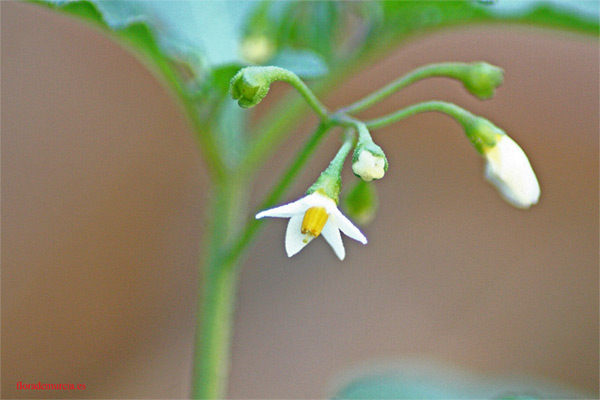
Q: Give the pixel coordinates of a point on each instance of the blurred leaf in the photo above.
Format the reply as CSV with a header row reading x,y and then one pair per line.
x,y
187,39
402,18
229,131
197,34
418,379
304,63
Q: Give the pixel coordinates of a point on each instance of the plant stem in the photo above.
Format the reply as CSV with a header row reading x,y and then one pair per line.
x,y
280,74
451,70
211,365
456,112
217,293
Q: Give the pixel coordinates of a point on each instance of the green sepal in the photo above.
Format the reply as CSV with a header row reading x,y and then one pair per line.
x,y
482,133
328,185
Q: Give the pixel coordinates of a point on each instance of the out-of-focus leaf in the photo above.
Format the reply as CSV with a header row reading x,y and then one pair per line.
x,y
229,131
197,34
419,379
187,39
304,63
403,18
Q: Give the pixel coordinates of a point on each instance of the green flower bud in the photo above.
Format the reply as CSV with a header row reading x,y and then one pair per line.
x,y
361,202
481,79
250,85
369,161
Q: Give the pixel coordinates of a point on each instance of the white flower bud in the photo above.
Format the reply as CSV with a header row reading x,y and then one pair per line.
x,y
509,170
369,166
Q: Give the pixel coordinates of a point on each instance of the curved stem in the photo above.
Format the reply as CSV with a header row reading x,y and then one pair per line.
x,y
458,113
454,70
336,165
305,91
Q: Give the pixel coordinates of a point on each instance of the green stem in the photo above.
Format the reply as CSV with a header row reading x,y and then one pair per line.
x,y
451,70
281,74
330,180
217,293
336,165
460,114
211,365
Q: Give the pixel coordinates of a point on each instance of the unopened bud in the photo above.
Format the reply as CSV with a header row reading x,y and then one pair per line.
x,y
481,79
508,168
369,161
250,85
369,166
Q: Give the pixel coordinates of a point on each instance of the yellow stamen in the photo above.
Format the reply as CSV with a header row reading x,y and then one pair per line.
x,y
314,221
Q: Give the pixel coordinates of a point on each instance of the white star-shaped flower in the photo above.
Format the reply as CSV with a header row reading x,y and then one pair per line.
x,y
509,170
311,216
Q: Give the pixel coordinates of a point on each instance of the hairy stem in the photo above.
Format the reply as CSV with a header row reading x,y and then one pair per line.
x,y
451,70
456,112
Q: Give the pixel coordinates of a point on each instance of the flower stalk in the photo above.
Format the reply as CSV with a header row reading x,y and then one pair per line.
x,y
479,78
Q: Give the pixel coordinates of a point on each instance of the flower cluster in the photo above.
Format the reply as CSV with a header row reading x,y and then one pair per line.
x,y
507,166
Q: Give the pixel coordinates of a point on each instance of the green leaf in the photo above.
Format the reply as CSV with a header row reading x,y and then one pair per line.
x,y
197,35
187,39
404,18
304,63
417,379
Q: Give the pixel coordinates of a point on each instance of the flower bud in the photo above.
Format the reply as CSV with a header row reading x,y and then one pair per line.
x,y
369,161
481,79
361,202
509,170
369,166
249,86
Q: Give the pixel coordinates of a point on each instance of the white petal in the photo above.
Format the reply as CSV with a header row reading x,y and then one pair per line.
x,y
284,211
294,239
347,226
509,170
332,235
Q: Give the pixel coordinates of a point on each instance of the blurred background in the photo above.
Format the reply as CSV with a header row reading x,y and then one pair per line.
x,y
102,212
